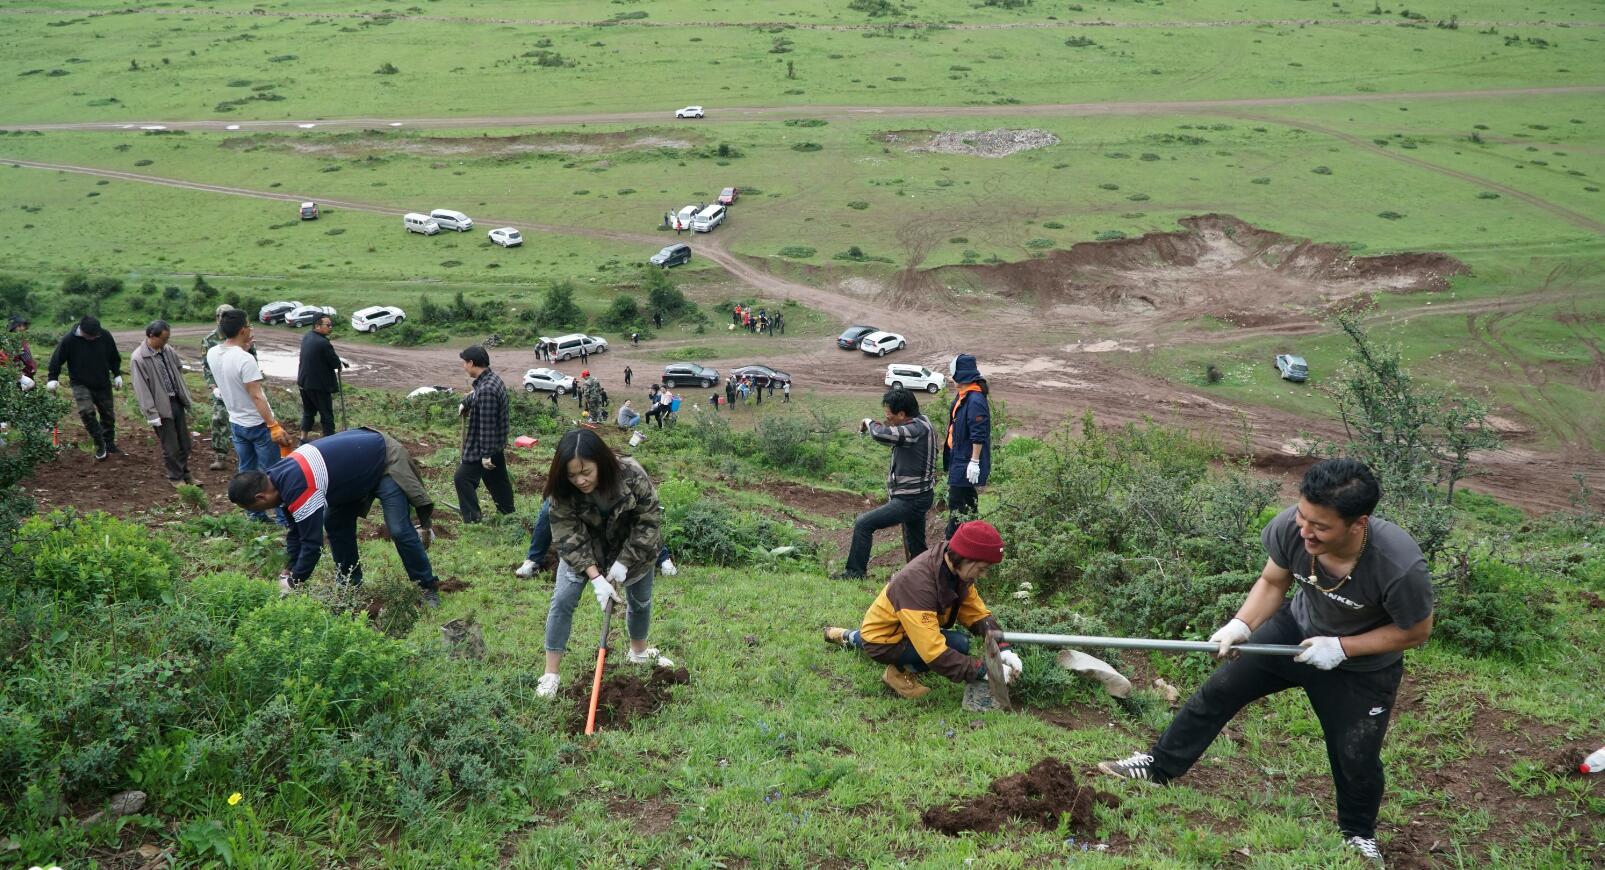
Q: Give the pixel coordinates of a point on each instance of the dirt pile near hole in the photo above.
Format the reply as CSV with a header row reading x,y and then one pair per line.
x,y
972,143
1038,796
1216,265
624,696
373,143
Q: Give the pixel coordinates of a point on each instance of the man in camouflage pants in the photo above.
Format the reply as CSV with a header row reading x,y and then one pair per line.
x,y
222,436
591,397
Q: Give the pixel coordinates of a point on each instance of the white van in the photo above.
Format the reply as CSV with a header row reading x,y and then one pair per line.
x,y
452,220
420,223
707,219
683,218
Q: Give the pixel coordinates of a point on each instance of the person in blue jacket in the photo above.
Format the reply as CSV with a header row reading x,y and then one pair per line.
x,y
323,487
967,452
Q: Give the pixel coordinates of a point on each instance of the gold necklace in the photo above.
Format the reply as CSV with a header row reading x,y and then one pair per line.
x,y
1365,541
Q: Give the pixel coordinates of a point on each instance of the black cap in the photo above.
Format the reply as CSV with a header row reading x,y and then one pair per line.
x,y
89,326
17,322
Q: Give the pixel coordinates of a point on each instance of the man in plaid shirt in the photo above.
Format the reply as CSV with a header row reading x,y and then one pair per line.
x,y
484,438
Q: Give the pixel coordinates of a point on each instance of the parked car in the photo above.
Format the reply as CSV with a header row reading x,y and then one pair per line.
x,y
687,374
689,112
306,315
414,222
729,195
881,343
673,255
452,220
850,339
274,312
908,377
377,317
309,211
1292,368
568,346
507,237
548,381
761,375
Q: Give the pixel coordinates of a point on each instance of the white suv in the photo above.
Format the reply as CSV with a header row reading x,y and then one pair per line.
x,y
689,112
568,346
549,381
907,377
377,317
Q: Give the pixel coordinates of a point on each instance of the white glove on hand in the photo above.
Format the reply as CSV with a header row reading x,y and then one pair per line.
x,y
1325,653
25,383
617,574
667,569
155,422
863,426
487,464
117,382
217,393
973,472
1012,666
1232,632
52,385
604,592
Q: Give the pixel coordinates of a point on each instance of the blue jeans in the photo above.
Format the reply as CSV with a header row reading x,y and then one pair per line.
x,y
256,451
904,655
341,529
560,618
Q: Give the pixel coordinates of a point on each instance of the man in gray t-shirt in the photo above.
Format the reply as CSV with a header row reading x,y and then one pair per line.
x,y
1363,597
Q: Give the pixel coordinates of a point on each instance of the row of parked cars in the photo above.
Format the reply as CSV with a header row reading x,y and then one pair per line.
x,y
370,319
876,342
448,219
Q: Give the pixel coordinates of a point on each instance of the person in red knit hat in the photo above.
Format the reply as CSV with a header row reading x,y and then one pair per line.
x,y
911,627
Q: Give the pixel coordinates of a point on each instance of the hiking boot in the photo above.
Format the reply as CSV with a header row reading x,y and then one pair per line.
x,y
431,599
100,452
112,448
905,684
192,480
1368,849
217,464
526,570
1140,766
838,636
547,687
649,656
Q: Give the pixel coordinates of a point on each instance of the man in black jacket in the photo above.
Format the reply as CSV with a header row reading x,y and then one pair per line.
x,y
95,367
318,377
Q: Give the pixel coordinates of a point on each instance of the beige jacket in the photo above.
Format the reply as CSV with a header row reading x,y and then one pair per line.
x,y
148,389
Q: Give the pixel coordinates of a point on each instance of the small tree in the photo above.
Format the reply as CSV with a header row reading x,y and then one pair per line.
x,y
623,314
662,296
27,441
560,311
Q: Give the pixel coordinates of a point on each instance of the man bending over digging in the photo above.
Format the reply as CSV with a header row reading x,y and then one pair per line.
x,y
909,628
1363,598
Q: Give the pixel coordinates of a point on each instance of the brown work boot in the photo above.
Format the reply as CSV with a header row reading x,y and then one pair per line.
x,y
837,636
905,684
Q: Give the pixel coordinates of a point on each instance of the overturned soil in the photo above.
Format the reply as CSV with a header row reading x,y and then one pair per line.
x,y
374,143
127,484
625,695
972,143
1217,265
1039,796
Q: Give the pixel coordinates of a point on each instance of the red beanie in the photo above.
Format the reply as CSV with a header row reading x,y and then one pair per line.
x,y
586,373
977,540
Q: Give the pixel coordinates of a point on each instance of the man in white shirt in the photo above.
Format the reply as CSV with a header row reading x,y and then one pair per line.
x,y
254,429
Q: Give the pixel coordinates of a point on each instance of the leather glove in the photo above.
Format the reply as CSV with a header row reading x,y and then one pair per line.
x,y
25,383
1232,632
863,426
487,464
280,437
604,592
117,382
973,472
155,422
667,569
1325,653
1012,666
52,385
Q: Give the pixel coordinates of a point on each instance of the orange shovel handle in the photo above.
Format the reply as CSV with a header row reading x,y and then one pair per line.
x,y
596,679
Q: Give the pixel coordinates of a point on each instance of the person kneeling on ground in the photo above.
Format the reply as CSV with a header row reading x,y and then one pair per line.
x,y
628,417
604,512
325,486
910,629
1364,597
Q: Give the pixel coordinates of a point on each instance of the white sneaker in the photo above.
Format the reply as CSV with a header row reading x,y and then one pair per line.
x,y
649,656
526,570
1368,849
547,687
284,585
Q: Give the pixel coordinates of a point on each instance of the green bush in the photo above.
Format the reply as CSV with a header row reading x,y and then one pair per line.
x,y
228,597
624,314
1488,608
95,558
785,441
797,252
332,667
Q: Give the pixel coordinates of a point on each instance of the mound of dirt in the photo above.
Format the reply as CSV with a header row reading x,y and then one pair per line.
x,y
375,143
1216,265
1039,796
624,696
972,143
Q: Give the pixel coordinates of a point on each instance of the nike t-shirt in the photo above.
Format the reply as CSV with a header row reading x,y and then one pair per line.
x,y
1389,585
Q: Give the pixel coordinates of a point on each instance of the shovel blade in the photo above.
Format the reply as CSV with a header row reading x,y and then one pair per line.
x,y
995,679
1098,669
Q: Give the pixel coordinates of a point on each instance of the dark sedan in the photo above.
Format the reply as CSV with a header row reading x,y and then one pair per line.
x,y
849,340
761,375
685,374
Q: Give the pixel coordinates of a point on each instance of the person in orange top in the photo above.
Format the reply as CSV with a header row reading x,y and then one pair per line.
x,y
910,627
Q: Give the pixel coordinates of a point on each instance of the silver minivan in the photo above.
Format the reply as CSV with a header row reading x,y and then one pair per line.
x,y
452,220
414,222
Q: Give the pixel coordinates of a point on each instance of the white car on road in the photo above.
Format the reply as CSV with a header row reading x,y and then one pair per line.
x,y
306,315
881,343
507,237
377,317
910,377
689,112
548,381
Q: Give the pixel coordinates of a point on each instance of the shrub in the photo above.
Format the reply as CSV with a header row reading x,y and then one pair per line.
x,y
784,442
559,310
386,69
1389,215
804,122
332,667
623,314
706,532
807,146
1488,608
665,298
1109,235
1039,243
858,205
1322,170
797,252
85,559
1080,42
228,597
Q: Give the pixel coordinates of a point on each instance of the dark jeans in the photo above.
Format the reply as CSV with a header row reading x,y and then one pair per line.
x,y
90,402
341,529
497,483
906,510
173,435
316,403
961,506
1352,706
904,655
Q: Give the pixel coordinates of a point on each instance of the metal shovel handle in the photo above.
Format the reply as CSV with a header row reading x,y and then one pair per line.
x,y
1265,649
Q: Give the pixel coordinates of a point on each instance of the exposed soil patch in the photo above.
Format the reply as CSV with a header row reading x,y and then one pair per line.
x,y
972,143
648,817
122,485
1039,796
624,696
1216,265
377,144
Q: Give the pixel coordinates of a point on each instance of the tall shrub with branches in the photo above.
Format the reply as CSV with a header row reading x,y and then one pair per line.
x,y
25,441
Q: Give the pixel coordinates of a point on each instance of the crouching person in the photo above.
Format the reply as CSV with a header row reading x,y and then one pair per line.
x,y
607,527
910,627
323,487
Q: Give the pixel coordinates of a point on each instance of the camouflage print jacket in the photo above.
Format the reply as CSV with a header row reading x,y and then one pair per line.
x,y
628,531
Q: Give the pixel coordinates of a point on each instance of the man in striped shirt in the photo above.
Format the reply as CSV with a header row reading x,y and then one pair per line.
x,y
910,484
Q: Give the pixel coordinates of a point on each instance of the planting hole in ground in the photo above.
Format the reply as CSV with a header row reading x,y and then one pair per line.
x,y
1037,797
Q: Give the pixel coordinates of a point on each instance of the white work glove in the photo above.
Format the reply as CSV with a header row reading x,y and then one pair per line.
x,y
25,383
155,422
1012,666
487,464
604,592
973,472
117,382
426,536
52,385
1233,632
617,574
217,393
667,569
1325,653
863,426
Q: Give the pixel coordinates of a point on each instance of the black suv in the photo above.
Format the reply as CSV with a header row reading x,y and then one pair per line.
x,y
683,374
672,255
849,340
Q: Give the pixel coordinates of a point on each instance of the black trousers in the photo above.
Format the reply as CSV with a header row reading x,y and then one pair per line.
x,y
905,510
961,506
315,403
497,483
1352,706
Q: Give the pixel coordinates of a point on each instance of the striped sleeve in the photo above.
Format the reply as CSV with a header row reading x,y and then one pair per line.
x,y
314,480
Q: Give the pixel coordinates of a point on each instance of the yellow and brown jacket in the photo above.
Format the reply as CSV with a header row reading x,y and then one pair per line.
x,y
920,602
